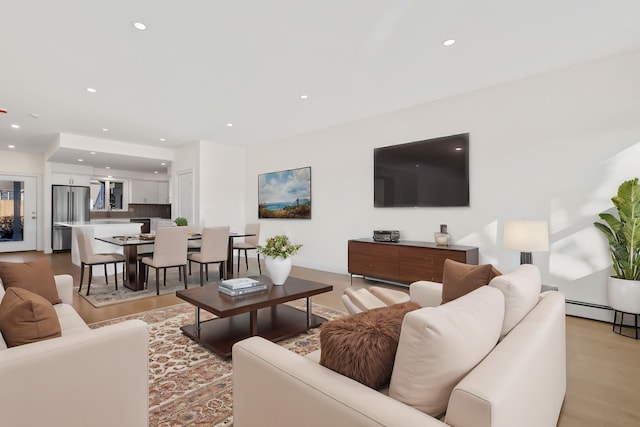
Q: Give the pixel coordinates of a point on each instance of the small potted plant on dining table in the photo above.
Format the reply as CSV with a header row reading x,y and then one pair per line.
x,y
278,251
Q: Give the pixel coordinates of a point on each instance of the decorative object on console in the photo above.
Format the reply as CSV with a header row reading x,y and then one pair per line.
x,y
623,236
285,194
386,236
442,238
278,252
526,237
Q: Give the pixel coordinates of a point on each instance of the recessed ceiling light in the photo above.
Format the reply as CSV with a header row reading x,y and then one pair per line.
x,y
92,152
110,176
11,146
304,96
15,126
163,164
162,139
155,171
81,160
92,90
449,42
107,167
105,130
229,124
458,148
139,26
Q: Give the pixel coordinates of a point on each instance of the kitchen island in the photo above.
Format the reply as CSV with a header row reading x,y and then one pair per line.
x,y
101,228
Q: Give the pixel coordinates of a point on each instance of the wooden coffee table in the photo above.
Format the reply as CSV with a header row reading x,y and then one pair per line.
x,y
262,313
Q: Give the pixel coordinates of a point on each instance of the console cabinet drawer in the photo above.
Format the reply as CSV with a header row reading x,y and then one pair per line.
x,y
405,261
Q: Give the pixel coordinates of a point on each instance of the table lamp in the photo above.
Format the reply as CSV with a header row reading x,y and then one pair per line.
x,y
526,237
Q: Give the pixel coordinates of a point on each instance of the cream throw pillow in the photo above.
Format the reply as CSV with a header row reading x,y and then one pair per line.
x,y
521,288
439,345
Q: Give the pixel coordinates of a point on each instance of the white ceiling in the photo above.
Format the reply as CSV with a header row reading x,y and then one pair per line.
x,y
204,63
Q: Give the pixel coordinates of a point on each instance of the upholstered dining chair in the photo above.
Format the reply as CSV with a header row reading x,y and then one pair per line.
x,y
169,250
213,250
250,242
84,239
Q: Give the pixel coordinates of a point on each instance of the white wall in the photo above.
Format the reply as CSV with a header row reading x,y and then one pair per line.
x,y
553,147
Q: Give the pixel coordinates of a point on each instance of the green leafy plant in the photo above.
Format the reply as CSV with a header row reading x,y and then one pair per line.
x,y
623,233
180,221
278,246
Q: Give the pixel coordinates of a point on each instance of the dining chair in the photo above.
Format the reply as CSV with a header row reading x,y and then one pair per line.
x,y
213,250
250,242
169,250
84,238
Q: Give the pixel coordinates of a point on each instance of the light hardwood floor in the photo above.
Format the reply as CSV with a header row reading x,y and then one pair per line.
x,y
603,368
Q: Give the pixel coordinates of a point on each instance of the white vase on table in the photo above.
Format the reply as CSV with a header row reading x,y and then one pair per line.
x,y
278,269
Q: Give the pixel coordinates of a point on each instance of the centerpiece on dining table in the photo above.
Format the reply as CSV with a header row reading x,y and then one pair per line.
x,y
278,251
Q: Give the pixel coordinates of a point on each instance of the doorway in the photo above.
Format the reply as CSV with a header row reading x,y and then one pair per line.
x,y
185,196
18,219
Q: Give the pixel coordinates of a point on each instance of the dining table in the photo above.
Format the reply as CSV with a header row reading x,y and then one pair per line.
x,y
134,277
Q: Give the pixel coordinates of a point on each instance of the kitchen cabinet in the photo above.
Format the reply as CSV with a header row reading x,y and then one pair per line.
x,y
142,191
70,179
406,261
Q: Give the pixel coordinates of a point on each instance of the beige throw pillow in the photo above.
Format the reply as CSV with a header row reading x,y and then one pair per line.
x,y
35,276
26,317
459,278
440,345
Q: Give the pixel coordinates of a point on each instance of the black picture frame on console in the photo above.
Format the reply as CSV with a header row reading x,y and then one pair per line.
x,y
429,173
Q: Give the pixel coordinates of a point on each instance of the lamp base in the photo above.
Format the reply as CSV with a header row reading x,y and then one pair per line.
x,y
526,258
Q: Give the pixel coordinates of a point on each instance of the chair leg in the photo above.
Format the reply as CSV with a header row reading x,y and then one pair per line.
x,y
90,277
106,277
158,280
146,276
189,267
222,270
206,270
81,275
201,273
238,261
259,268
115,273
246,260
184,274
164,280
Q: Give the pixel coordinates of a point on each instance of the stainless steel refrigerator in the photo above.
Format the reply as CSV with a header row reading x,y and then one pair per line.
x,y
70,205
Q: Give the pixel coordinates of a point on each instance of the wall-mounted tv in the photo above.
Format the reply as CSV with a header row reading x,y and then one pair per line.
x,y
428,173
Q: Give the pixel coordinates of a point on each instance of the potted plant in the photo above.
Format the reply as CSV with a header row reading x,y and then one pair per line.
x,y
180,221
623,235
277,253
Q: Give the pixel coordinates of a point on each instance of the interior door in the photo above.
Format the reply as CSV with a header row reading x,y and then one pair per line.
x,y
185,196
18,219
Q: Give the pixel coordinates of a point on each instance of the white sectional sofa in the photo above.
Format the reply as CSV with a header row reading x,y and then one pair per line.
x,y
86,377
520,382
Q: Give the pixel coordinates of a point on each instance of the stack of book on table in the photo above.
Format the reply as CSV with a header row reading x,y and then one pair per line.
x,y
240,286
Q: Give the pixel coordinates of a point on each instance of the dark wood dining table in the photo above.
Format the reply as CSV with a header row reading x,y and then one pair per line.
x,y
133,266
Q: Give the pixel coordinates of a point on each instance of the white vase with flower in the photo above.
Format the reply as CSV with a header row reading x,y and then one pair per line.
x,y
278,252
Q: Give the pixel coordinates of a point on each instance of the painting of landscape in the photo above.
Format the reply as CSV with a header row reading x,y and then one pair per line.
x,y
285,194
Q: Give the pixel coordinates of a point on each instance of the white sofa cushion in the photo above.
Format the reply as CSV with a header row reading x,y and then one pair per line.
x,y
521,288
439,345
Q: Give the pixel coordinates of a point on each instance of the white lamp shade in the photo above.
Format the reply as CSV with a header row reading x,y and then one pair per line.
x,y
526,236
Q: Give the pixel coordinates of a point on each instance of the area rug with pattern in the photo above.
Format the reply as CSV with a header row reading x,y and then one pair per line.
x,y
189,385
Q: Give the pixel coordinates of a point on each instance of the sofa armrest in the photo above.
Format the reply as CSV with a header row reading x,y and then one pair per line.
x,y
522,382
273,386
99,378
64,284
426,293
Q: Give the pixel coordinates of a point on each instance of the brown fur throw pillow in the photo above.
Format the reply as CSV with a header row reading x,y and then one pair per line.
x,y
363,346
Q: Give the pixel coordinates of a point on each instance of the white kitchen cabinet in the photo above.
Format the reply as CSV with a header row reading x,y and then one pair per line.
x,y
142,191
70,179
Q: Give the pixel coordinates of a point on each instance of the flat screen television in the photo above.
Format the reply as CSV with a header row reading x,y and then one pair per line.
x,y
429,173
